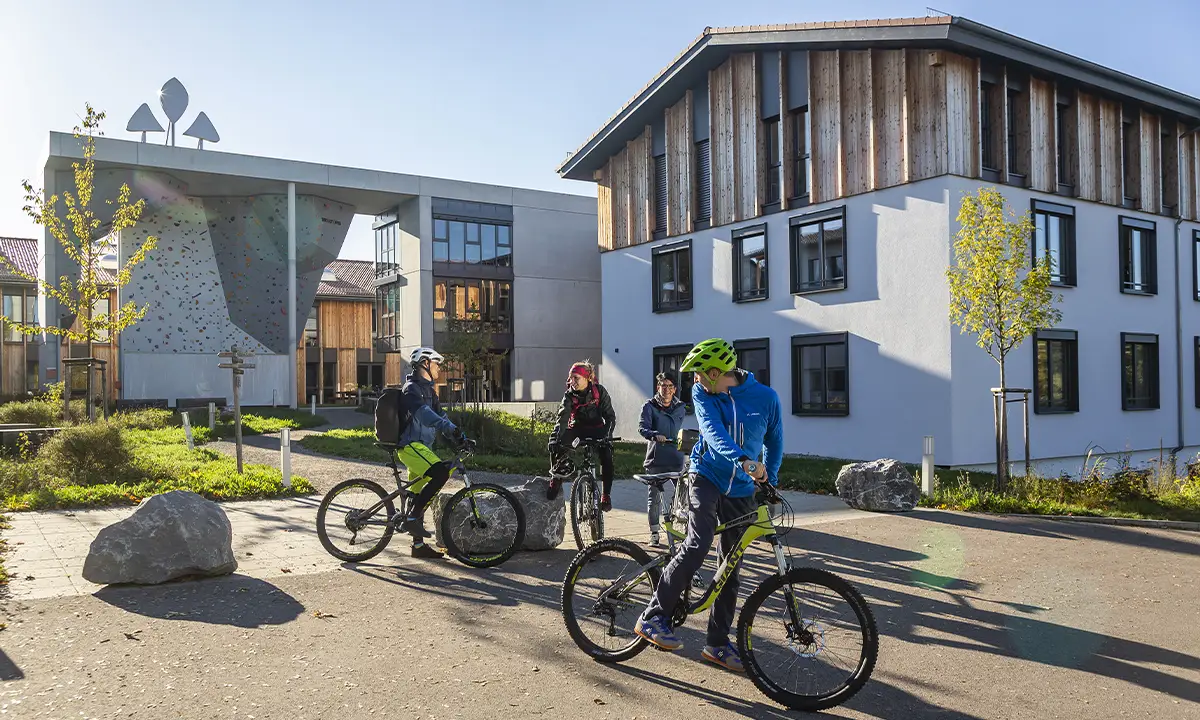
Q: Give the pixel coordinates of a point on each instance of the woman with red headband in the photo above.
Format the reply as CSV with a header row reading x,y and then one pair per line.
x,y
586,412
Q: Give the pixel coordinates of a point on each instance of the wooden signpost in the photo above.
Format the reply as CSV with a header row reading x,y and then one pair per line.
x,y
236,363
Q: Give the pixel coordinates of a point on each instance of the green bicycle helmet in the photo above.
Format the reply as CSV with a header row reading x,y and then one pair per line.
x,y
709,354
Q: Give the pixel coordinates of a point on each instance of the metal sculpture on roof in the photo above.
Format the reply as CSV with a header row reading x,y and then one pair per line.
x,y
173,97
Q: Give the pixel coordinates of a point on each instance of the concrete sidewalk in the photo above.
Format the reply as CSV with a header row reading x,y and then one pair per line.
x,y
278,537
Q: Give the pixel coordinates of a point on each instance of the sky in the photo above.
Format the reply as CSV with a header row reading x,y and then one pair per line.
x,y
494,92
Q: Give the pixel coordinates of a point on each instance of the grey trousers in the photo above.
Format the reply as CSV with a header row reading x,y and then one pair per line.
x,y
654,499
708,508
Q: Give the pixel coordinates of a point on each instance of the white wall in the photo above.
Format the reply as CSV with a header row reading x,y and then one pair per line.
x,y
185,375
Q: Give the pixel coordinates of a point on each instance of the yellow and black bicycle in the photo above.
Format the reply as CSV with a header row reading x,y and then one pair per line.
x,y
807,638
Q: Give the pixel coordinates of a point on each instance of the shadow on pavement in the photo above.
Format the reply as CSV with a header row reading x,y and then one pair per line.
x,y
235,600
9,669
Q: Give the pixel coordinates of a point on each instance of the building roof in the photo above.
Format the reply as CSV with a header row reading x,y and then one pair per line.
x,y
715,45
21,252
355,279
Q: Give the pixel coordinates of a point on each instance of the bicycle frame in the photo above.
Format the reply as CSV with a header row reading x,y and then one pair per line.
x,y
405,489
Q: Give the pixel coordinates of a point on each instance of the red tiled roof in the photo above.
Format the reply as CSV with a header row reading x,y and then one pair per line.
x,y
22,252
354,279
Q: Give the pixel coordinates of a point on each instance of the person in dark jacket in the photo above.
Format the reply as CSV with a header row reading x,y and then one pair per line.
x,y
586,412
662,419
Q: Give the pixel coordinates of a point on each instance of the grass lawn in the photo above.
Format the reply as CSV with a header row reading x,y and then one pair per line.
x,y
260,421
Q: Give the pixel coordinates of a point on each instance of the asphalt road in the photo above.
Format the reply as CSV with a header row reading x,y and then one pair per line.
x,y
980,618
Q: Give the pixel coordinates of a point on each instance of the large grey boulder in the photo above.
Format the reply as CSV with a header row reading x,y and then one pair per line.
x,y
173,535
545,520
879,485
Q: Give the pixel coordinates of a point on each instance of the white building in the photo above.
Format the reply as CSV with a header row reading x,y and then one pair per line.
x,y
795,189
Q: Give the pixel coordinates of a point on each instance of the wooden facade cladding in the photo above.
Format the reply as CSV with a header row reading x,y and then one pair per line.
x,y
884,117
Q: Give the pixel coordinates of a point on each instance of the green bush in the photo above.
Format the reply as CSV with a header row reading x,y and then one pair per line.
x,y
89,454
146,419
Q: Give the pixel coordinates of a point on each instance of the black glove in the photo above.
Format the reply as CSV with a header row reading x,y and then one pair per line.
x,y
464,442
553,447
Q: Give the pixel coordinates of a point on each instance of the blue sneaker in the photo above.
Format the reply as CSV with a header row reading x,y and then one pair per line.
x,y
655,631
727,657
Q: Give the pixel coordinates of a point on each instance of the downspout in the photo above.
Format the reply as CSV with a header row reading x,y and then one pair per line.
x,y
1178,349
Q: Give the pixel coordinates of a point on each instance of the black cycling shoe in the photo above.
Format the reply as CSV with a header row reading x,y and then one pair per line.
x,y
425,551
555,486
415,526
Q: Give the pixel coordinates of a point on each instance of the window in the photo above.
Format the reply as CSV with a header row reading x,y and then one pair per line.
x,y
310,328
32,382
488,381
388,301
13,310
755,356
773,158
819,252
100,307
1196,265
1130,161
387,259
672,276
987,141
1139,257
1054,239
485,301
671,358
820,375
703,177
750,263
329,383
1139,372
370,375
1056,371
798,127
660,194
472,243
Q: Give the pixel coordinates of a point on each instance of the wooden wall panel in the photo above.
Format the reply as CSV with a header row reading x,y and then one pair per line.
x,y
343,324
604,207
962,115
1067,114
825,98
641,189
347,371
1169,156
393,369
301,399
889,106
856,98
748,151
1189,175
1042,145
620,190
926,82
1151,163
679,166
1087,113
1108,138
12,370
721,142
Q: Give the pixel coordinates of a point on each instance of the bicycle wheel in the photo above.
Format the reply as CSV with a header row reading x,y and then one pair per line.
x,y
342,518
482,525
587,522
604,593
808,639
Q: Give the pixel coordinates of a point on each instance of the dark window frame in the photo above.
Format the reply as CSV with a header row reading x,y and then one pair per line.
x,y
1149,255
1196,265
823,340
676,249
763,343
500,317
1070,403
740,294
773,194
987,140
684,381
1066,213
819,217
498,260
661,199
1127,382
799,125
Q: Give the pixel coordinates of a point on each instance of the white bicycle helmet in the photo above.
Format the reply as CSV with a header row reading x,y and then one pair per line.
x,y
421,354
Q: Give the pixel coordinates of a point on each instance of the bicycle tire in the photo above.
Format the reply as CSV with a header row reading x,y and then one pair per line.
x,y
583,493
323,511
870,649
608,545
490,559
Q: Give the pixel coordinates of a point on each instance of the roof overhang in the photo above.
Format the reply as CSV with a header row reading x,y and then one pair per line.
x,y
713,47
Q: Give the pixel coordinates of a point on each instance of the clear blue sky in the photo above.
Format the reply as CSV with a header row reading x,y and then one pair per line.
x,y
494,92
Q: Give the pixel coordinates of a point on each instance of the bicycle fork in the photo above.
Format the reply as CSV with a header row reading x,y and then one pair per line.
x,y
796,629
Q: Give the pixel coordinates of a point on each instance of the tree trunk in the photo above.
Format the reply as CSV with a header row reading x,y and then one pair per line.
x,y
1002,460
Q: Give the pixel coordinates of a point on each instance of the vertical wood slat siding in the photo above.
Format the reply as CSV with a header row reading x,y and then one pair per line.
x,y
604,207
888,106
1022,113
393,370
1087,127
787,148
825,95
1108,136
1042,146
620,185
1002,125
1169,154
962,115
856,98
347,371
720,94
641,187
343,324
1187,174
926,82
1151,163
679,166
1070,121
747,109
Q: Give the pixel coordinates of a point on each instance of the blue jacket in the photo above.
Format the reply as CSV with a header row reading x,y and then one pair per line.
x,y
746,422
426,418
666,421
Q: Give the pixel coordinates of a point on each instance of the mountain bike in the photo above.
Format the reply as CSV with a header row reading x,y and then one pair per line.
x,y
587,522
786,635
481,525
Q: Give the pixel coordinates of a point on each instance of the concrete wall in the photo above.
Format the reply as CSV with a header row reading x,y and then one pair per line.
x,y
191,375
416,282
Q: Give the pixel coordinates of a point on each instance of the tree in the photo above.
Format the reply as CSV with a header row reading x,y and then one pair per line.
x,y
468,347
84,237
997,293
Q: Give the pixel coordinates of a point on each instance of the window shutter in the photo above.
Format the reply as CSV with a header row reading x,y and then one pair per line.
x,y
703,182
660,193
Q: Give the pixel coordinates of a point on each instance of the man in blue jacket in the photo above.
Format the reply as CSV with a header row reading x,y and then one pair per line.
x,y
740,422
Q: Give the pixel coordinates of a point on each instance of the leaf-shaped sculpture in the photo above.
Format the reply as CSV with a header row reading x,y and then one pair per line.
x,y
174,98
202,129
143,121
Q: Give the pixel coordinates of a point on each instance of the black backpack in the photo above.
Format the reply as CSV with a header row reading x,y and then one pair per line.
x,y
391,418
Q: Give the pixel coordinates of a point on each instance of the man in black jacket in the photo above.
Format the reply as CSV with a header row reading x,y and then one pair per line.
x,y
586,413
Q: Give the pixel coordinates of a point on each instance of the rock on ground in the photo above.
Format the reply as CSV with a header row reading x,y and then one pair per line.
x,y
879,485
172,535
545,520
